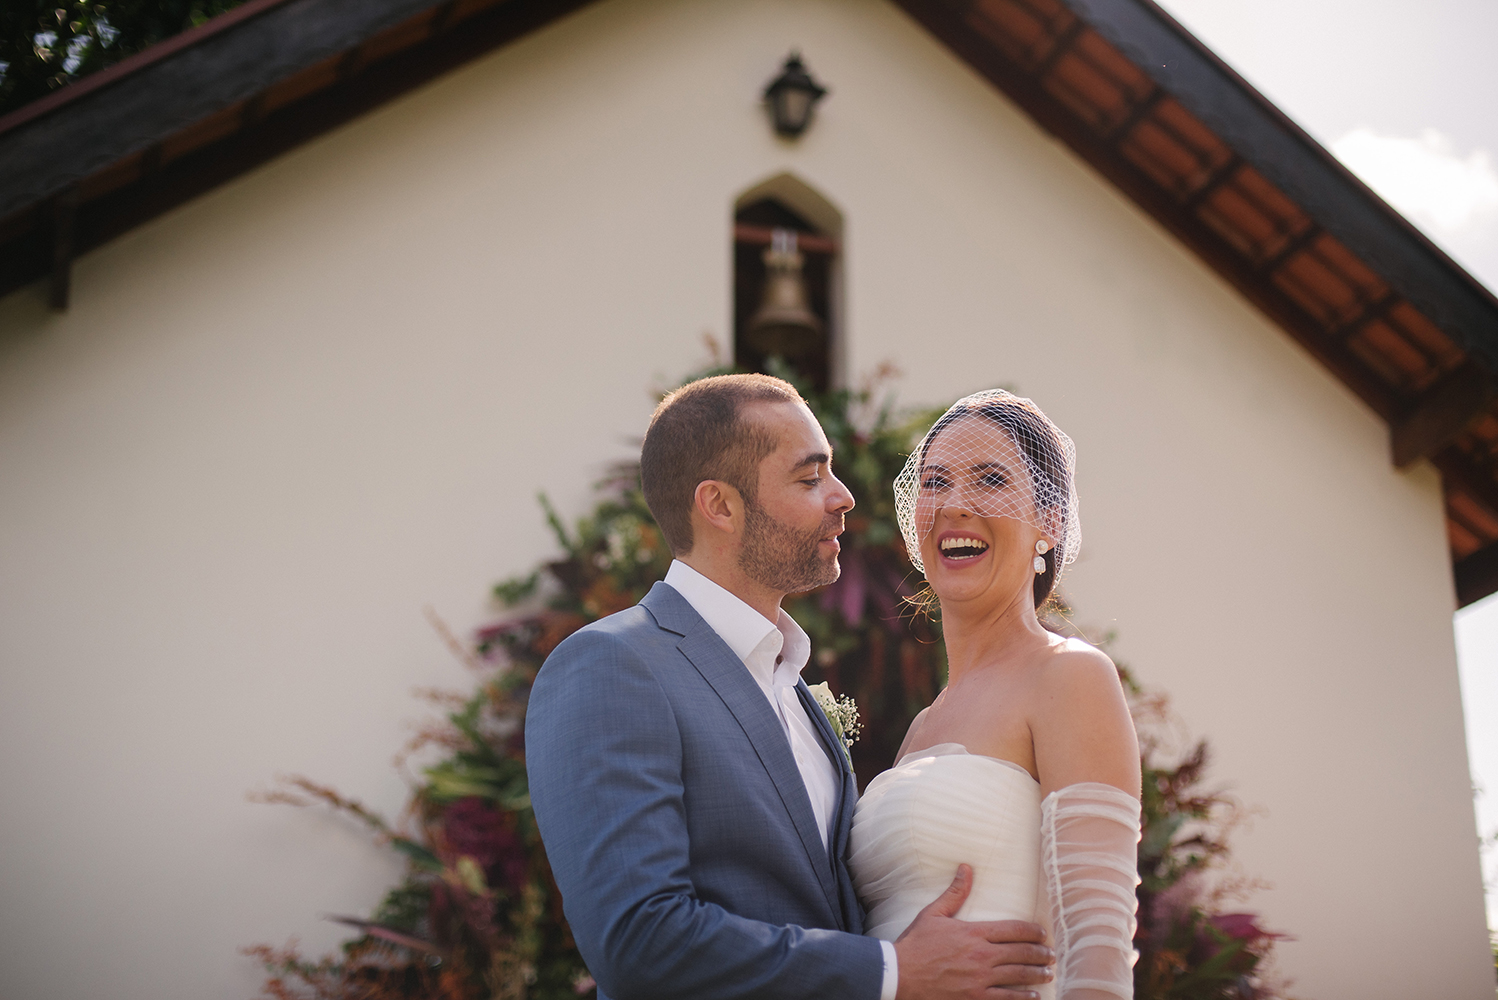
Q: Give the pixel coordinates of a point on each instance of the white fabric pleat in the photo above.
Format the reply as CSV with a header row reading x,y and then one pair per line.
x,y
1068,863
936,809
1089,852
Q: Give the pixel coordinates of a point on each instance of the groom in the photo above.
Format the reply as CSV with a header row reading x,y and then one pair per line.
x,y
694,802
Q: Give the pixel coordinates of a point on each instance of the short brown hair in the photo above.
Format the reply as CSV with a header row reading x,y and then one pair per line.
x,y
698,433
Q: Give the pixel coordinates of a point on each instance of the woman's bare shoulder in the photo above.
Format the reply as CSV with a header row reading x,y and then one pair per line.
x,y
1071,661
1082,729
1073,653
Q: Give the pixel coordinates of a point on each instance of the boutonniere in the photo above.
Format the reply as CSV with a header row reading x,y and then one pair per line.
x,y
842,714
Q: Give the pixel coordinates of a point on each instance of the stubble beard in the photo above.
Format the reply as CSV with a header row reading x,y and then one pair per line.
x,y
783,558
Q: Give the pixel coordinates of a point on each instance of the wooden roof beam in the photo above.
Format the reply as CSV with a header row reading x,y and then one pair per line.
x,y
98,129
945,22
1459,474
1323,187
1061,46
1476,576
1297,243
64,243
1442,414
1136,115
1216,179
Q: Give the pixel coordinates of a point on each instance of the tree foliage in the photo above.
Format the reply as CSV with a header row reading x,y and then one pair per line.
x,y
44,45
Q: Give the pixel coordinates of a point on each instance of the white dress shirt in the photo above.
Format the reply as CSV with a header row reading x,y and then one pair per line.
x,y
775,653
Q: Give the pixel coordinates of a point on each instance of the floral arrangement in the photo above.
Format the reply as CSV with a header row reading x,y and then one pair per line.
x,y
1189,948
478,915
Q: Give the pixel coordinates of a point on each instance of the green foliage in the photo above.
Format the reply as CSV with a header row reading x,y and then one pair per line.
x,y
609,560
478,915
46,45
1188,948
404,907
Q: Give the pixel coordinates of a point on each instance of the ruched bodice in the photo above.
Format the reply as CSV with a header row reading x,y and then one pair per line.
x,y
938,808
1066,862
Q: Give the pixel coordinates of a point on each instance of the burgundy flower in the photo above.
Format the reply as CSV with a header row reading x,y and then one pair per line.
x,y
1243,926
439,911
476,829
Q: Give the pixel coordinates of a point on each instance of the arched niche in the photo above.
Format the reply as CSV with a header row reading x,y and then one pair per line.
x,y
787,202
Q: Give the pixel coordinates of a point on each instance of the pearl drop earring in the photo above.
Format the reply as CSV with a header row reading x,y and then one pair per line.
x,y
1041,548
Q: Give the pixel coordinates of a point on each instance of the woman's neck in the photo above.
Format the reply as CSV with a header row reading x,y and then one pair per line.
x,y
982,636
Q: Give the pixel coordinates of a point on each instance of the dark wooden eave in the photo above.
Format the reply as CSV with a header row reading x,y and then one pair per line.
x,y
197,110
1151,109
1121,83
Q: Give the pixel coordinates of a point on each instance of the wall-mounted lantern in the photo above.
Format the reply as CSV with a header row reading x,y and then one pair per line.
x,y
791,97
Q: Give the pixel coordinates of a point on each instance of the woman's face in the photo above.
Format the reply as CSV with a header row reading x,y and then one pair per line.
x,y
975,514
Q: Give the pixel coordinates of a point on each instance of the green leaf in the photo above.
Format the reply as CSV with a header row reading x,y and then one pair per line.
x,y
557,527
420,856
516,589
405,906
1158,835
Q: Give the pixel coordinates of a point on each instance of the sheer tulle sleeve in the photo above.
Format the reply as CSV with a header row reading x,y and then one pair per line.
x,y
1089,844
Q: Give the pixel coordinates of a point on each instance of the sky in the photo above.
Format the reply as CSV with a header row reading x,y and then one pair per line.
x,y
1403,92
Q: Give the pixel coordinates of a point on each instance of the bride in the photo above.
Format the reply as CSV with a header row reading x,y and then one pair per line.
x,y
1026,766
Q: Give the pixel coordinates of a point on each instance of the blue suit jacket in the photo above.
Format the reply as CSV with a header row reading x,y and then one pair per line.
x,y
677,824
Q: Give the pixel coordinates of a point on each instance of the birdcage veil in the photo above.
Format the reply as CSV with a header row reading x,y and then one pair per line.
x,y
993,454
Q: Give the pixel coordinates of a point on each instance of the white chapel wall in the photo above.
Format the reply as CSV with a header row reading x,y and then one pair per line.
x,y
278,422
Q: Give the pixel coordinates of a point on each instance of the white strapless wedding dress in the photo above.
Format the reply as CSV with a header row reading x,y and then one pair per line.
x,y
943,806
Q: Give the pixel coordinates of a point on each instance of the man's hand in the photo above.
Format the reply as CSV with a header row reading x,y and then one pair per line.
x,y
942,958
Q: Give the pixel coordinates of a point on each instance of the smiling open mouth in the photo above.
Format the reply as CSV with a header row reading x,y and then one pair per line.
x,y
963,548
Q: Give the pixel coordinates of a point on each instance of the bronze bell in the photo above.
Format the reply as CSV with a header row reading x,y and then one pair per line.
x,y
784,324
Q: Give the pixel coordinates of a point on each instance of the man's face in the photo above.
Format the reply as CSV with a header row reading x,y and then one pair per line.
x,y
791,527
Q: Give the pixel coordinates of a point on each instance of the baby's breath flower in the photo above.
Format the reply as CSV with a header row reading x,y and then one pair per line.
x,y
841,712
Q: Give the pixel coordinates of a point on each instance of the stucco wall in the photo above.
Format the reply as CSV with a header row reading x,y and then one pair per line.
x,y
278,422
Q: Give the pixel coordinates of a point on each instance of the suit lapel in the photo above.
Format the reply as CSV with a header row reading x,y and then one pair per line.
x,y
728,676
842,822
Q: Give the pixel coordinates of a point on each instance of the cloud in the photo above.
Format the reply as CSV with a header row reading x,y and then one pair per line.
x,y
1425,178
